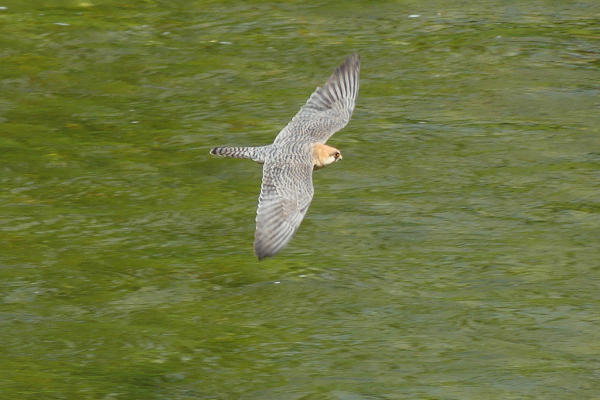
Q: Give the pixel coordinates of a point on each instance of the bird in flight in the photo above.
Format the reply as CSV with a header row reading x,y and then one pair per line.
x,y
299,148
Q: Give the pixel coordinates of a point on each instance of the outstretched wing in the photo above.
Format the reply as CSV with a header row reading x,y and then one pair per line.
x,y
329,108
285,195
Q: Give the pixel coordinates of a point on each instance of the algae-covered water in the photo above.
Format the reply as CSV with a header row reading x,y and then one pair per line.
x,y
453,254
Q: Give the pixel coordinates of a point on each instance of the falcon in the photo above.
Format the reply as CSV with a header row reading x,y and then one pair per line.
x,y
299,148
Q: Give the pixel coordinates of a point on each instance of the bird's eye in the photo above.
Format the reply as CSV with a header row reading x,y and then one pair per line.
x,y
336,155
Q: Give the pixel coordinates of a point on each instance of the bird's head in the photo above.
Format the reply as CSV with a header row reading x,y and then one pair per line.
x,y
325,155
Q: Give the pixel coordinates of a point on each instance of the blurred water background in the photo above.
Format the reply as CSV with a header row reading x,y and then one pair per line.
x,y
453,254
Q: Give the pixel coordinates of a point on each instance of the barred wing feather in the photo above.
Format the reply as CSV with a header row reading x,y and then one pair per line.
x,y
329,108
285,195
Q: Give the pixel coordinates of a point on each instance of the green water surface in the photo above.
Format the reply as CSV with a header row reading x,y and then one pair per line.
x,y
453,254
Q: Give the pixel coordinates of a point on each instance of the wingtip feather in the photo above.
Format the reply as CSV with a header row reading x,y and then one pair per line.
x,y
262,253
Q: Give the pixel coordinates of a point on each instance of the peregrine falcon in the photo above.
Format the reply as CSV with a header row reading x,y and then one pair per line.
x,y
299,148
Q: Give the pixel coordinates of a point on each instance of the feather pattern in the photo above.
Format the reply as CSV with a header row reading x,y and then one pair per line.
x,y
287,189
329,108
251,153
285,195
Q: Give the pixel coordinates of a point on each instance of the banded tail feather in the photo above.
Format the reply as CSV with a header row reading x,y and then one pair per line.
x,y
236,152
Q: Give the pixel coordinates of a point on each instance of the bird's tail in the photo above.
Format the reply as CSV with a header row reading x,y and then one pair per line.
x,y
251,153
